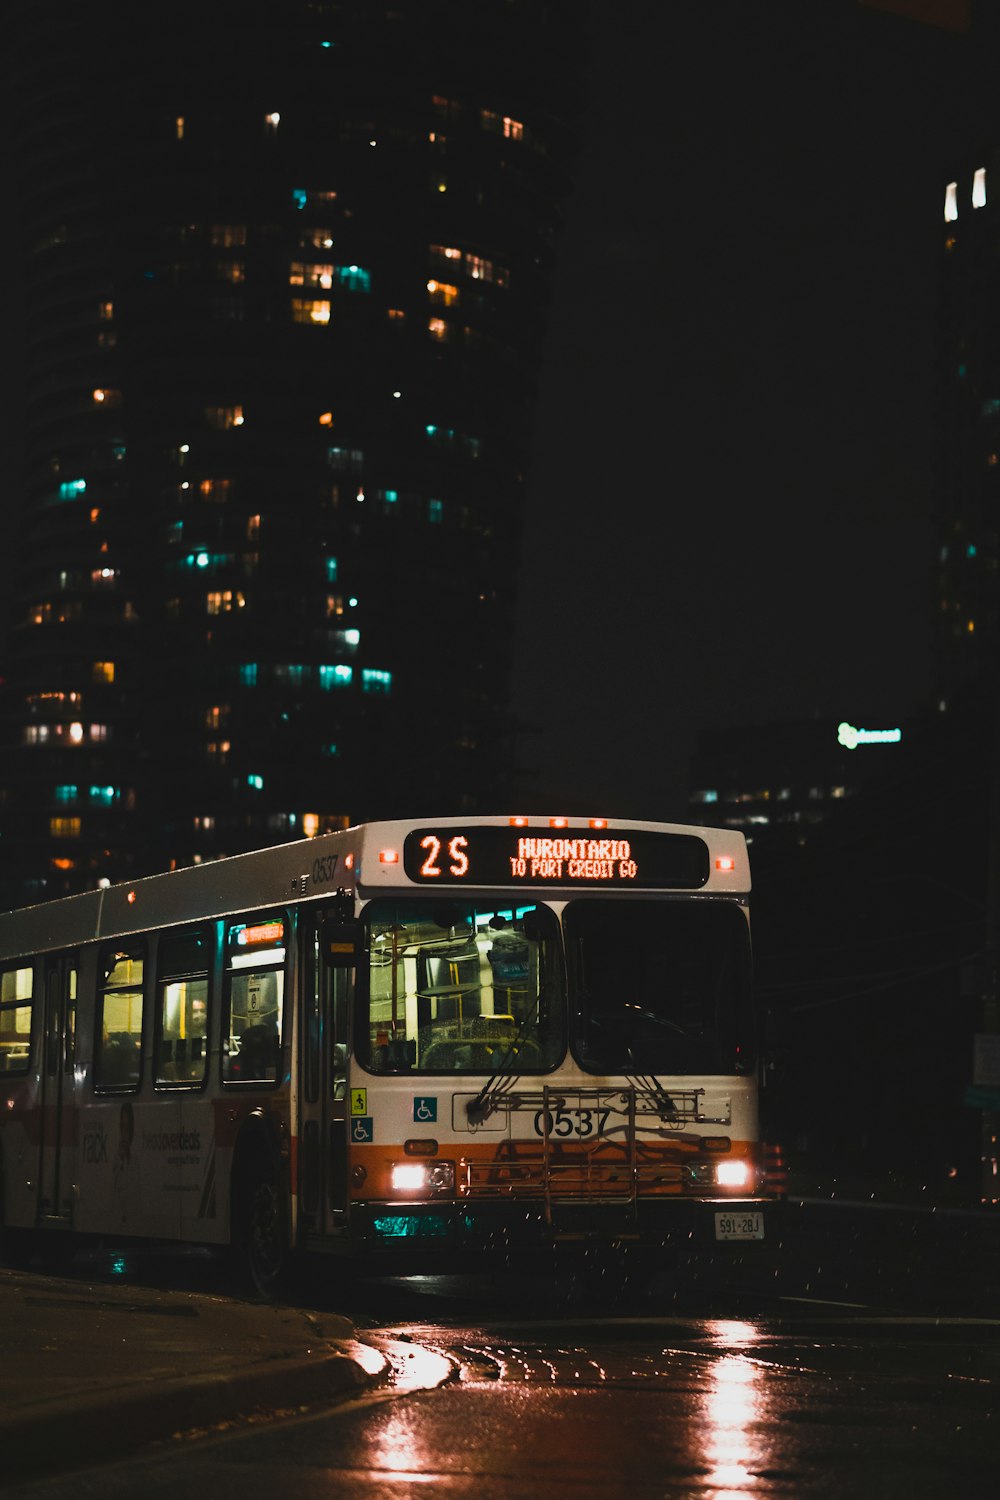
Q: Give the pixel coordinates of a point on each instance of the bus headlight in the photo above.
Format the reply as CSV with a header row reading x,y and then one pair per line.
x,y
415,1178
733,1173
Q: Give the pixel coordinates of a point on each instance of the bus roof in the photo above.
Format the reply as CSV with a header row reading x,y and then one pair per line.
x,y
372,857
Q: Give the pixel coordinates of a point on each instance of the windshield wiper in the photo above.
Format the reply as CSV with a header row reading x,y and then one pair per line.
x,y
481,1107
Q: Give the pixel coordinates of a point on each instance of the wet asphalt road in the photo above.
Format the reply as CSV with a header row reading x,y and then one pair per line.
x,y
806,1400
862,1358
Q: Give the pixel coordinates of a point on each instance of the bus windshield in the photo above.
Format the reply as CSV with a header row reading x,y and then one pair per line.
x,y
454,988
660,986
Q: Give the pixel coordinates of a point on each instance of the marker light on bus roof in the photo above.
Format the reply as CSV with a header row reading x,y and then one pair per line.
x,y
598,822
726,863
518,822
130,898
388,856
559,822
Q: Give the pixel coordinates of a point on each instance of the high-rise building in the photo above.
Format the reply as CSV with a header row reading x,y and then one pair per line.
x,y
277,286
967,477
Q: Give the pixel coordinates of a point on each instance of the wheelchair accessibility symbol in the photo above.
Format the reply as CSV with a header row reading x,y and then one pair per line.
x,y
425,1109
361,1129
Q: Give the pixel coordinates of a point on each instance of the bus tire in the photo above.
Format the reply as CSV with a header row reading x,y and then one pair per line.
x,y
260,1222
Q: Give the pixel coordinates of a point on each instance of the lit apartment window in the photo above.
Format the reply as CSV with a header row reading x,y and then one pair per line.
x,y
335,677
231,270
310,824
395,314
445,253
304,273
979,188
253,528
272,121
216,717
373,680
179,127
442,292
103,671
512,129
334,606
104,578
316,239
107,397
205,824
307,310
224,601
106,312
951,203
438,329
228,234
218,750
216,490
224,417
64,828
354,278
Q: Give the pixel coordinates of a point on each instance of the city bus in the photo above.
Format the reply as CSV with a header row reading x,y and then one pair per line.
x,y
393,1041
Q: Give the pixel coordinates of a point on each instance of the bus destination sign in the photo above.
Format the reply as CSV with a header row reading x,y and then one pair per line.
x,y
533,856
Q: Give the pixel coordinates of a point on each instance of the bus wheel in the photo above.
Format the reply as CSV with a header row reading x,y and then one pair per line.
x,y
260,1224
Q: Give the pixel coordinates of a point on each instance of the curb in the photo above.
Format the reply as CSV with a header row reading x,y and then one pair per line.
x,y
115,1424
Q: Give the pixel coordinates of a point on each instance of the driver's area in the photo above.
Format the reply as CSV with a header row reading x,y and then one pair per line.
x,y
459,988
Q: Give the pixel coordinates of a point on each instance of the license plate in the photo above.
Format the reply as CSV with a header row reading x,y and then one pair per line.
x,y
739,1226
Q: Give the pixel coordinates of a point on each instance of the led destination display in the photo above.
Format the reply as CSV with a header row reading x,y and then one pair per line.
x,y
575,857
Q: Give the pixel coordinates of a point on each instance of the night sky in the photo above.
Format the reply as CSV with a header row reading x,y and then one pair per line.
x,y
728,517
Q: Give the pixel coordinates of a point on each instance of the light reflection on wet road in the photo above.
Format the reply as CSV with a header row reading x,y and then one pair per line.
x,y
810,1401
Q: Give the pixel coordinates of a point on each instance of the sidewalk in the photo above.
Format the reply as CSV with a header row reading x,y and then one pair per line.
x,y
93,1371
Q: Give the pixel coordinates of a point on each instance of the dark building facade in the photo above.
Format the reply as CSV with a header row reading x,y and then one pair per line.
x,y
278,283
775,782
967,475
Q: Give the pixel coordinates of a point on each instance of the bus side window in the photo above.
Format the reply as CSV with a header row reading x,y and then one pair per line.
x,y
255,994
182,1006
118,1064
15,1019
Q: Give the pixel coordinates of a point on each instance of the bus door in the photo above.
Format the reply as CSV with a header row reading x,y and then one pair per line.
x,y
57,1165
327,989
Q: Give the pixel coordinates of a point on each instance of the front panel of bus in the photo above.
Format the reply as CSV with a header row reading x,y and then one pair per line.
x,y
568,1054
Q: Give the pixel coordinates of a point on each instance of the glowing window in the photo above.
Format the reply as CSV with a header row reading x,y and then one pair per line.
x,y
228,234
435,511
64,828
303,273
951,203
354,278
272,121
224,601
222,418
105,396
65,793
307,310
438,329
442,292
103,671
72,489
231,270
335,677
248,673
979,188
373,680
179,127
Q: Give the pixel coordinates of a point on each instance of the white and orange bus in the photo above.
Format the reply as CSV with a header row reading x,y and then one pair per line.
x,y
406,1036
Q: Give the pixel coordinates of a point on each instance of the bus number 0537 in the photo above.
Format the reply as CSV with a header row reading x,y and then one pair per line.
x,y
562,1122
